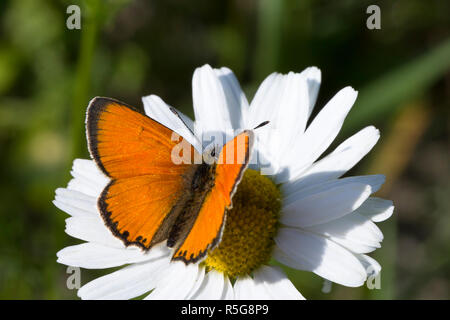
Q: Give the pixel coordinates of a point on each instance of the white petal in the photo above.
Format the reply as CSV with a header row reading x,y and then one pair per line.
x,y
83,185
372,267
262,159
376,209
80,197
293,94
73,211
285,101
212,288
311,252
325,205
92,229
87,204
245,288
267,138
320,133
354,231
260,108
213,118
342,159
235,97
173,119
277,283
129,282
228,293
96,256
354,246
313,79
167,115
198,283
88,178
374,181
176,284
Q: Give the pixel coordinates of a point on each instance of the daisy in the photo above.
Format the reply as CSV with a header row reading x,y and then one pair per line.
x,y
289,207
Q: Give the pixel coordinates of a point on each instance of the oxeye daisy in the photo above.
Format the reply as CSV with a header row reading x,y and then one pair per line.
x,y
289,206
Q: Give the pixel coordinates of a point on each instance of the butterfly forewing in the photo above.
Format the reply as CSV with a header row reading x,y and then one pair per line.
x,y
125,143
135,152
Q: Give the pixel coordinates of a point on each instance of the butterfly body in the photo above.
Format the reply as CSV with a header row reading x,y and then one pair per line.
x,y
150,199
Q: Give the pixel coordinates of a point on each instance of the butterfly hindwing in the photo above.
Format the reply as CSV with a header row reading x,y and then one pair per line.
x,y
135,208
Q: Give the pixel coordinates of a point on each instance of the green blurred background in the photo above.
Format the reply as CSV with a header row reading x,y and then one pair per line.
x,y
127,49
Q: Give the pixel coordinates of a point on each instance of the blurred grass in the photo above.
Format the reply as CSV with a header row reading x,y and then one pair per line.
x,y
382,97
82,85
408,126
127,49
270,17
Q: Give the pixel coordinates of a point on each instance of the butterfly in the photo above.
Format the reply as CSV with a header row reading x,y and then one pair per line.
x,y
149,198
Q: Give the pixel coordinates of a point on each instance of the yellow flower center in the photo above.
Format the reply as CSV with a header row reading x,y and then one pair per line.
x,y
250,227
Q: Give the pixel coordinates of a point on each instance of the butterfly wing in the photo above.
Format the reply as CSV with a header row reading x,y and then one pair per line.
x,y
209,223
135,151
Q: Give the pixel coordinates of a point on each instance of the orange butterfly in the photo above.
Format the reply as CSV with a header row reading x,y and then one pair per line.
x,y
149,198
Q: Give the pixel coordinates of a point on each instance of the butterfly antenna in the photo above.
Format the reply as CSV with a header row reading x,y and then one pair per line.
x,y
262,124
